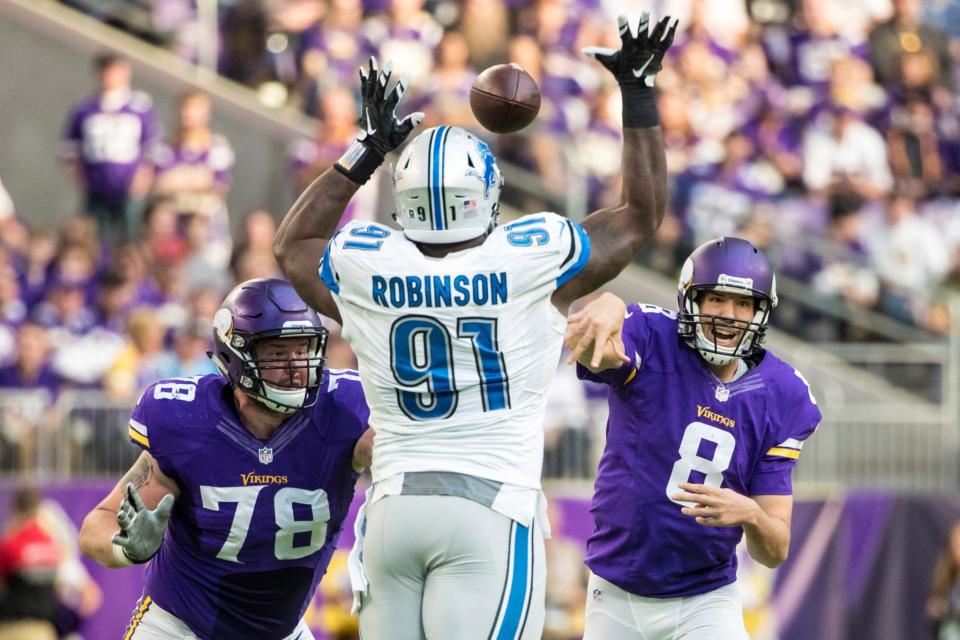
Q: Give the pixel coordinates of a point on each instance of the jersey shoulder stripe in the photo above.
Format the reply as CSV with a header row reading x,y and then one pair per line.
x,y
578,255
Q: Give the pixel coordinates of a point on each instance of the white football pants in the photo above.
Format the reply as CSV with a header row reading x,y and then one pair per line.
x,y
447,568
614,613
150,622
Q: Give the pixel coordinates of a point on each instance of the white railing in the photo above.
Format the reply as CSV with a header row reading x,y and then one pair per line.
x,y
875,434
80,433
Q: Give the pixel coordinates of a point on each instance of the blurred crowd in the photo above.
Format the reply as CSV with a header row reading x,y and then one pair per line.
x,y
124,292
827,132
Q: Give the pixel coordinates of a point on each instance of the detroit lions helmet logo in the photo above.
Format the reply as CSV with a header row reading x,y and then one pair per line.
x,y
490,172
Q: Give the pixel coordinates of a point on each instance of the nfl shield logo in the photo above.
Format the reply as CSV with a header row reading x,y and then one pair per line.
x,y
722,394
597,595
266,455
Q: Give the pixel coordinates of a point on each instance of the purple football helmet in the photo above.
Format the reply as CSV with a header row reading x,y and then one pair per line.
x,y
262,309
729,265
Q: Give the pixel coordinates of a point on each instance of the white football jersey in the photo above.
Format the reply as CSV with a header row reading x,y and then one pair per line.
x,y
457,353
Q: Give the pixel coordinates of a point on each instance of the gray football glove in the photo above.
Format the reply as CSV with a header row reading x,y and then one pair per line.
x,y
141,530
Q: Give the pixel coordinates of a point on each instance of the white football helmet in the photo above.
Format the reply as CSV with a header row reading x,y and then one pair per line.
x,y
446,187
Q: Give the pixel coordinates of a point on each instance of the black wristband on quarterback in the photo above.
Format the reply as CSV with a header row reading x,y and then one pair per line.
x,y
639,106
359,162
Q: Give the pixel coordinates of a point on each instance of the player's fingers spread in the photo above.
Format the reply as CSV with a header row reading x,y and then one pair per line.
x,y
708,522
661,27
384,78
134,497
401,87
623,26
668,39
644,25
163,509
575,328
581,346
572,341
599,347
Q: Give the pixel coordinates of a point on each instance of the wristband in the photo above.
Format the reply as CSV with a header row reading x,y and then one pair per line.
x,y
639,107
121,556
359,162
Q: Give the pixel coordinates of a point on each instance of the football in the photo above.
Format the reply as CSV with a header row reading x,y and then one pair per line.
x,y
504,98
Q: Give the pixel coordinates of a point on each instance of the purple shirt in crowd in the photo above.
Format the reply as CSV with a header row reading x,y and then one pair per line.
x,y
110,143
47,379
671,421
256,522
217,160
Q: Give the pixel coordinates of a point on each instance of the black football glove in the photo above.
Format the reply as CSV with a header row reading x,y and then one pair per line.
x,y
382,131
640,56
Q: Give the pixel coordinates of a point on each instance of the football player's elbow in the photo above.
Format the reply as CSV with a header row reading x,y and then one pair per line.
x,y
775,557
284,256
774,561
646,220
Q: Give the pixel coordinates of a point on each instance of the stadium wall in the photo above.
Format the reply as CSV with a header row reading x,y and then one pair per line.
x,y
859,566
45,67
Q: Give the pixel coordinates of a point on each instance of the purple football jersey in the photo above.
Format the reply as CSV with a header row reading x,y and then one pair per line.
x,y
110,143
256,522
671,421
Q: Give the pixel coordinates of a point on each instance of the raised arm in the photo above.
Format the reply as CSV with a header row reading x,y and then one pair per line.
x,y
308,226
617,233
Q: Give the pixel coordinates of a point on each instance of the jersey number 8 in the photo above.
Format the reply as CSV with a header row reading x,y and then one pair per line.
x,y
690,459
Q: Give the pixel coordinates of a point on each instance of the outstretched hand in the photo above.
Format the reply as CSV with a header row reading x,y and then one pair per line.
x,y
380,126
640,56
593,328
141,530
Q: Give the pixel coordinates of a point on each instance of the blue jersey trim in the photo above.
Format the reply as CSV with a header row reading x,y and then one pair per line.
x,y
583,239
437,152
326,271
